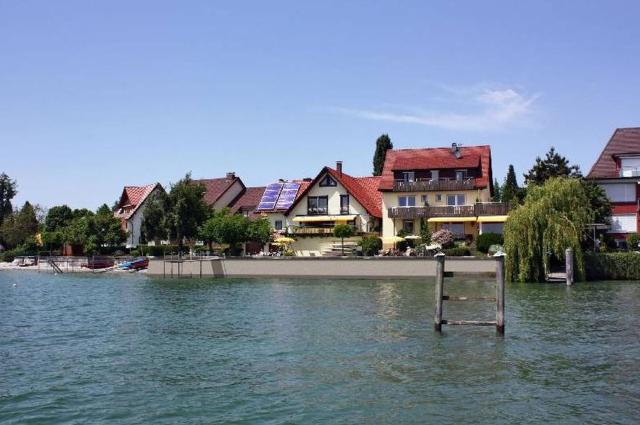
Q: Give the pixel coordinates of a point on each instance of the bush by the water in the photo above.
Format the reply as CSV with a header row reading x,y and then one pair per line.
x,y
443,237
485,240
370,246
613,266
458,251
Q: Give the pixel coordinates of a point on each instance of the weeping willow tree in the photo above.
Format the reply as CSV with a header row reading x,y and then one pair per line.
x,y
552,219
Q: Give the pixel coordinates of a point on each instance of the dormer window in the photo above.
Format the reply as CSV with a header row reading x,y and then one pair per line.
x,y
327,181
630,167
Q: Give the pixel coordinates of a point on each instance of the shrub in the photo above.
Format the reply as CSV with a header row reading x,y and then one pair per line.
x,y
632,241
613,266
370,245
458,251
485,240
443,237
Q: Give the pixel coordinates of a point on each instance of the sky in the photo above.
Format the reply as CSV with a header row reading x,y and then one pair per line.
x,y
102,94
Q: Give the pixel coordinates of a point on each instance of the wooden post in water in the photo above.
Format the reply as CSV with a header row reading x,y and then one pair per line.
x,y
568,258
499,256
439,290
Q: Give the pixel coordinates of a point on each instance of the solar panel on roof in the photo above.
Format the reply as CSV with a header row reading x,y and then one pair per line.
x,y
270,196
287,196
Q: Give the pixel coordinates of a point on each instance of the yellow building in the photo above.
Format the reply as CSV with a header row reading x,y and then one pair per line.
x,y
448,187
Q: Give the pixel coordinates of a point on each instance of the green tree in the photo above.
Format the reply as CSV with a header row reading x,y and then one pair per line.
x,y
511,192
187,210
598,201
81,232
554,217
19,227
553,165
58,217
108,229
497,191
7,193
383,144
425,231
225,228
154,222
342,231
259,231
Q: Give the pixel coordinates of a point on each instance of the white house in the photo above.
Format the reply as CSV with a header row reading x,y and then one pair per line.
x,y
130,210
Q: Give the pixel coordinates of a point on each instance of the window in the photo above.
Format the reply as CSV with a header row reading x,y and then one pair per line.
x,y
435,174
439,197
317,205
456,200
406,201
328,181
407,226
461,174
409,176
491,228
623,224
278,224
344,204
456,228
424,199
620,192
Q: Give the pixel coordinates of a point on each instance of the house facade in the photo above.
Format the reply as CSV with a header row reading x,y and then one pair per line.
x,y
320,204
617,171
130,210
448,187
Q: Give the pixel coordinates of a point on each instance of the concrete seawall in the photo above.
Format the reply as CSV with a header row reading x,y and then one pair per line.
x,y
351,267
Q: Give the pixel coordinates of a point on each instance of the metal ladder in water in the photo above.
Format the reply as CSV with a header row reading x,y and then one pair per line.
x,y
498,299
54,266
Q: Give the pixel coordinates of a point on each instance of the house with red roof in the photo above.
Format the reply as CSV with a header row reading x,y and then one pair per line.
x,y
130,210
448,187
332,197
222,192
617,171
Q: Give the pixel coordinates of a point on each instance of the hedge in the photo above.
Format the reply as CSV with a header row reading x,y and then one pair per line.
x,y
485,240
613,266
458,251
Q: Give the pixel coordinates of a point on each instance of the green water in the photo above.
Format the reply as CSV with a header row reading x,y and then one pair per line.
x,y
133,350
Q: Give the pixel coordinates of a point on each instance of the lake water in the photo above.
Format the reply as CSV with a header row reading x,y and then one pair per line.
x,y
128,349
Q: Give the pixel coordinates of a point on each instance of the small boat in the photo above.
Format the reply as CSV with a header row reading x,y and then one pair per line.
x,y
137,264
98,263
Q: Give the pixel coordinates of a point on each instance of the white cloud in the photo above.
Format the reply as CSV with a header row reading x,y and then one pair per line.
x,y
484,110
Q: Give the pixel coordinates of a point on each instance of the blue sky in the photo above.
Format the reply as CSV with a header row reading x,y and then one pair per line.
x,y
98,95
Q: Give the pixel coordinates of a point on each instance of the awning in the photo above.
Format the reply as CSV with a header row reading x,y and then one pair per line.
x,y
451,219
492,218
316,218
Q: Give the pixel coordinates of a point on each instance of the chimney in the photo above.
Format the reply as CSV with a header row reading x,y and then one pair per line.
x,y
455,149
231,175
307,179
339,167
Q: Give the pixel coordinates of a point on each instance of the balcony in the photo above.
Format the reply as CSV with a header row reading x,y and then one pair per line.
x,y
430,185
320,231
479,209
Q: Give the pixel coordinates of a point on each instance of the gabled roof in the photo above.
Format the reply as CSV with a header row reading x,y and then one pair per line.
x,y
132,198
363,189
247,200
215,188
623,141
437,159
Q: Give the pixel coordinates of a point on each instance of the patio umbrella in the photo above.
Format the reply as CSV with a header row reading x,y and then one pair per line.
x,y
284,240
413,237
392,239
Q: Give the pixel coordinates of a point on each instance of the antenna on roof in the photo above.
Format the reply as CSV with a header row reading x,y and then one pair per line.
x,y
455,149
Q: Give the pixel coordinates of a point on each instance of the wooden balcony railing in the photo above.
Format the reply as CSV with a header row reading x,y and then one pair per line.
x,y
479,209
428,185
317,231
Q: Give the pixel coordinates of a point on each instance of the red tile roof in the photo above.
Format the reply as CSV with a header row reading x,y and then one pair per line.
x,y
363,189
132,198
247,200
623,141
217,187
437,159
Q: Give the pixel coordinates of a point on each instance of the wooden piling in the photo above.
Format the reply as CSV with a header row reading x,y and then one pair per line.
x,y
439,290
568,256
499,293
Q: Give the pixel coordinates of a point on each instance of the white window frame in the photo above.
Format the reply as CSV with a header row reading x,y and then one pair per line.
x,y
457,197
409,201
